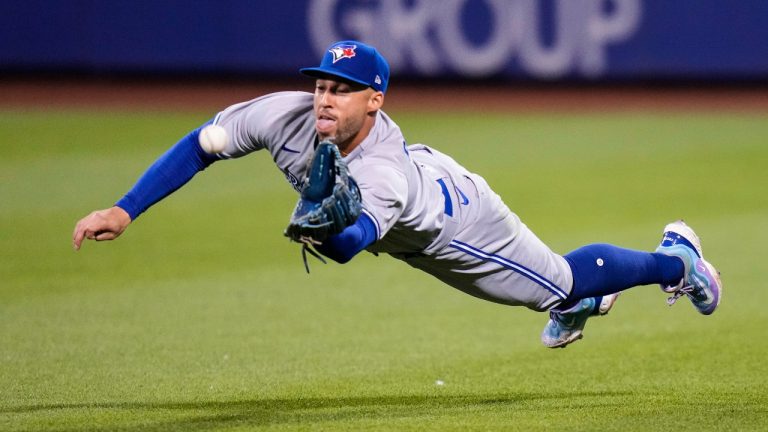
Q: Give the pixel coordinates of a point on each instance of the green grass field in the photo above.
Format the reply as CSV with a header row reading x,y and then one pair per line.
x,y
201,316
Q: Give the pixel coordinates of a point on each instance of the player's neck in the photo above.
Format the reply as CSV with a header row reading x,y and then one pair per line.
x,y
346,149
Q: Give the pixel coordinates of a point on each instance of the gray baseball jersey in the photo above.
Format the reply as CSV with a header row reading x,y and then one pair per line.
x,y
428,210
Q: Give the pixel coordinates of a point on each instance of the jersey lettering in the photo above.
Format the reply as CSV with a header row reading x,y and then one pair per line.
x,y
293,180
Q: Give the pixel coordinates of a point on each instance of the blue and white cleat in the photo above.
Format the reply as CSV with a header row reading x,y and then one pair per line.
x,y
701,282
565,327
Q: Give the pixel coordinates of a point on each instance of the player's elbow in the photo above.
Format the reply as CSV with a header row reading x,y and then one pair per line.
x,y
341,259
338,255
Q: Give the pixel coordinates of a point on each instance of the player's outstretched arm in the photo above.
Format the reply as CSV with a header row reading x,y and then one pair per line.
x,y
105,224
171,171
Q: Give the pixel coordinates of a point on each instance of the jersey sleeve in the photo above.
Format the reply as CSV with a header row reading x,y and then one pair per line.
x,y
262,122
244,135
384,190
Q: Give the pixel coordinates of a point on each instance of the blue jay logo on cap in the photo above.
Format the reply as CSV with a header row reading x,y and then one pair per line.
x,y
342,51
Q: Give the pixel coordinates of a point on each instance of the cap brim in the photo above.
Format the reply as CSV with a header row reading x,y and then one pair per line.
x,y
319,72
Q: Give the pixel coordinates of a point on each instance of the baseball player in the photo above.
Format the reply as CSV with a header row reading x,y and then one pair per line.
x,y
364,188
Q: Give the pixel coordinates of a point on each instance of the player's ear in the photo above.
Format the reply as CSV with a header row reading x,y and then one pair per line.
x,y
375,101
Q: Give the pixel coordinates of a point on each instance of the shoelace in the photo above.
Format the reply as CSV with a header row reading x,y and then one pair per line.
x,y
686,290
304,249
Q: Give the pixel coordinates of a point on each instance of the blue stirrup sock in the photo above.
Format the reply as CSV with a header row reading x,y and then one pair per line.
x,y
602,269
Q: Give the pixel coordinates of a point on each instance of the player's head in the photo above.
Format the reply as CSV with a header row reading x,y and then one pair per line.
x,y
350,85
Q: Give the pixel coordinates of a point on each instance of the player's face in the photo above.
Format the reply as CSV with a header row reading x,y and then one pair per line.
x,y
343,111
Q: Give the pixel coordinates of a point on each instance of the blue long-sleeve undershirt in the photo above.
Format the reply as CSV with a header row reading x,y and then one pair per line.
x,y
171,171
345,245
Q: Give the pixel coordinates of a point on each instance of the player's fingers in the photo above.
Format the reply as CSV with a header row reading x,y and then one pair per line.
x,y
78,235
85,229
104,235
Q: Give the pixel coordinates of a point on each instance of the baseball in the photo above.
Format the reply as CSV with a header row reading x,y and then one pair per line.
x,y
213,139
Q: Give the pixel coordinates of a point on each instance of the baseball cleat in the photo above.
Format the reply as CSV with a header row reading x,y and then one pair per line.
x,y
701,282
565,327
605,304
679,233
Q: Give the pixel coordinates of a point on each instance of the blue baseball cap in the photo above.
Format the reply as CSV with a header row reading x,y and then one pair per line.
x,y
353,61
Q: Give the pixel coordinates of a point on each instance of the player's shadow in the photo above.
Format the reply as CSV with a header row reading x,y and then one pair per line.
x,y
313,411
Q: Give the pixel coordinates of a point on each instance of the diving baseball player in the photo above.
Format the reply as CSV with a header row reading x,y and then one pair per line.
x,y
362,187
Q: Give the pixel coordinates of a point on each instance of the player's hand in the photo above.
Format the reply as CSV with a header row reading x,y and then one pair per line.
x,y
330,199
105,224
